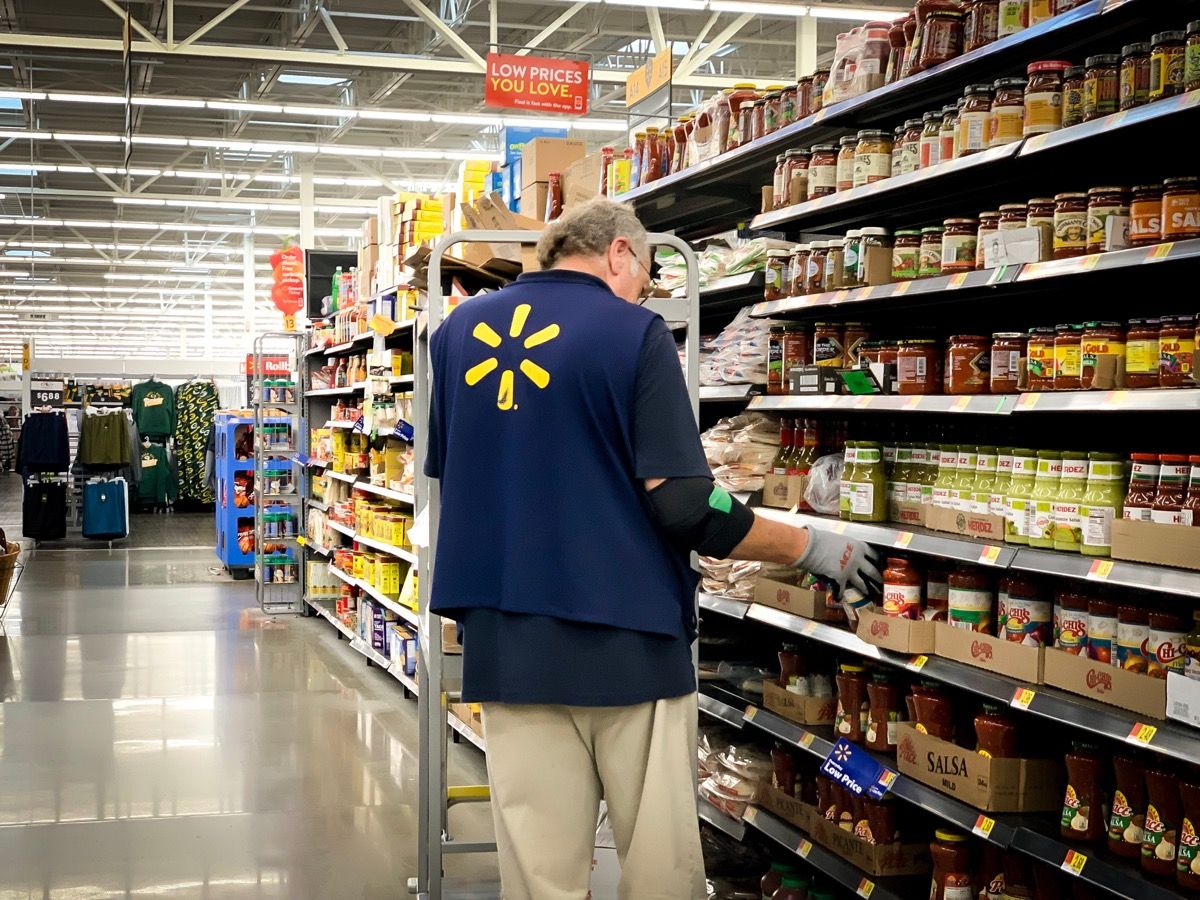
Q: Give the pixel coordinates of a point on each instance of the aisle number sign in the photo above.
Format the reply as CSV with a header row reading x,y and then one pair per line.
x,y
647,79
537,83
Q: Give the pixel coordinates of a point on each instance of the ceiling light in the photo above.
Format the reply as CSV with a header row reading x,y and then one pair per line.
x,y
761,9
86,98
170,102
855,14
174,226
394,115
334,111
23,95
238,106
317,80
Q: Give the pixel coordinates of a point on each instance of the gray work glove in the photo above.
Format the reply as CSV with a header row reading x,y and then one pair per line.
x,y
849,562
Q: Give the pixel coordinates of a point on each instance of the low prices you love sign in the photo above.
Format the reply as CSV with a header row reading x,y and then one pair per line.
x,y
537,83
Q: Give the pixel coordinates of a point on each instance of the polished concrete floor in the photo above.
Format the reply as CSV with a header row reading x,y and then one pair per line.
x,y
161,737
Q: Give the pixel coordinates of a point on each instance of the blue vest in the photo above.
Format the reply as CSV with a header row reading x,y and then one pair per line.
x,y
541,511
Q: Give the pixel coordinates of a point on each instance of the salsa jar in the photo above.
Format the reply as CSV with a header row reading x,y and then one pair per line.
x,y
995,733
872,157
1176,350
799,271
1191,66
901,589
822,171
775,375
918,368
1082,813
1013,216
941,34
1013,17
906,255
871,241
853,704
853,337
910,146
819,80
1101,85
947,132
1142,353
974,120
885,702
1181,208
828,346
804,92
989,223
1167,62
959,244
1070,225
1044,96
930,260
972,600
795,177
851,248
1007,122
1160,830
1008,349
1040,214
772,112
1040,359
758,119
951,853
795,351
981,25
777,187
934,710
898,151
930,147
1128,807
1187,869
1134,89
773,277
787,105
845,162
1098,339
1145,215
1102,204
1068,353
1072,106
968,364
814,272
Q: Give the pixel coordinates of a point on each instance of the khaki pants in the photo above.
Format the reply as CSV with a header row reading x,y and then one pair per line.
x,y
549,767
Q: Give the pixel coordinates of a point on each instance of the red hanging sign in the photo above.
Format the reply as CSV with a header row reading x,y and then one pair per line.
x,y
536,83
287,277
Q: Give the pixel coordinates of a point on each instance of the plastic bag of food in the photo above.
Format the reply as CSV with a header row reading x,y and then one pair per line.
x,y
823,490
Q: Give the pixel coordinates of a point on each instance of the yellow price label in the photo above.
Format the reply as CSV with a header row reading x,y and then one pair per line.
x,y
840,296
839,528
903,539
913,402
901,288
1160,251
989,555
1101,569
804,848
1035,143
960,404
809,627
750,815
807,740
1141,734
302,540
983,827
1022,697
866,887
1115,399
862,402
750,713
1083,263
917,663
1028,401
958,280
1074,863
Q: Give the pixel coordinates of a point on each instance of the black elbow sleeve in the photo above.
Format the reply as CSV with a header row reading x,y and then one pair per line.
x,y
697,514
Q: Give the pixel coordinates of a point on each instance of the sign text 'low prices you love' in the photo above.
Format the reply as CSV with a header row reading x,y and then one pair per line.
x,y
857,771
536,83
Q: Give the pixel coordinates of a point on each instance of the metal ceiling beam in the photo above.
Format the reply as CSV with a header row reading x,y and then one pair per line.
x,y
133,23
211,23
566,16
333,30
451,36
695,45
656,29
702,56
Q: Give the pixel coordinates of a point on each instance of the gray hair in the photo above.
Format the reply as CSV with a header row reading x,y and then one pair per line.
x,y
588,230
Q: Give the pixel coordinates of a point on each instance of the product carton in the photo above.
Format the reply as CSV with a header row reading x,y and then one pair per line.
x,y
450,642
1183,699
541,156
994,654
952,521
905,513
992,785
581,180
783,491
1134,691
1156,543
811,604
532,202
892,633
1016,246
877,265
796,708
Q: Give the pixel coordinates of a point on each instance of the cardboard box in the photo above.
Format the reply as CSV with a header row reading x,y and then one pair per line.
x,y
541,156
991,785
877,266
791,809
1134,691
783,491
581,180
1016,246
798,709
532,202
892,633
792,598
1154,542
905,513
450,642
1183,699
994,654
951,521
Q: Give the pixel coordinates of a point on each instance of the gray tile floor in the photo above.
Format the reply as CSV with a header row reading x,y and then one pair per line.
x,y
159,736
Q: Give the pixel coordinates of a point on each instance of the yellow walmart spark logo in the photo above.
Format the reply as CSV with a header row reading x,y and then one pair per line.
x,y
485,334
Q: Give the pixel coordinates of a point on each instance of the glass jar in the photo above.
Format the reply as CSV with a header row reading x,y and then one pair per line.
x,y
930,260
1068,353
878,238
851,248
951,854
1008,348
1101,503
1016,503
1176,350
934,710
804,89
1044,96
758,119
896,48
639,152
1082,814
1040,11
974,120
941,36
1191,66
918,367
828,346
972,600
1101,85
795,351
1099,339
1143,487
1013,216
1160,831
968,364
787,105
910,146
898,151
1026,614
820,79
1066,526
1041,214
981,25
930,140
872,157
775,383
1070,225
845,163
772,112
1141,353
773,280
799,270
734,128
834,264
1181,208
1167,61
795,176
995,733
1187,869
886,702
1013,17
989,223
777,187
1007,122
947,132
814,273
1040,508
947,479
1072,106
651,167
1103,204
1145,215
1168,631
853,705
822,171
959,244
1040,360
1135,76
854,335
906,253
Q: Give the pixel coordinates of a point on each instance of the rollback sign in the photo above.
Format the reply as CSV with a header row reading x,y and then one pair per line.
x,y
536,83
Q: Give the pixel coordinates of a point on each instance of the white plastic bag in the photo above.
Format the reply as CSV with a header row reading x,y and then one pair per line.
x,y
824,487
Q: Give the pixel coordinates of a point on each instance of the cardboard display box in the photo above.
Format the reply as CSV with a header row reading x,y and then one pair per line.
x,y
581,180
541,156
905,513
532,202
450,642
892,633
951,521
1134,691
992,653
1153,542
991,785
798,709
783,491
1183,699
792,598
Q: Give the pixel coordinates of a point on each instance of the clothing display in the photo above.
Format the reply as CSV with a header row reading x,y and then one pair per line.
x,y
104,438
44,510
43,444
196,404
106,509
153,406
158,483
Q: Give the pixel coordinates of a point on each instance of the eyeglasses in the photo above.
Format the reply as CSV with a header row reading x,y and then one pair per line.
x,y
651,285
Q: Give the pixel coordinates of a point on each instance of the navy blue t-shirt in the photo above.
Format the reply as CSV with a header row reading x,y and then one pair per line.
x,y
524,658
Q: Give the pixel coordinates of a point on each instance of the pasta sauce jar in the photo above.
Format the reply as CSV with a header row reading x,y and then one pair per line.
x,y
822,171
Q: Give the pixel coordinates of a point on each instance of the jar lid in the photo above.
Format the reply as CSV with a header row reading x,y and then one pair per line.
x,y
1010,83
744,85
650,129
775,87
911,123
1137,48
949,108
760,102
932,229
908,232
1138,188
949,837
823,70
1074,72
607,150
990,214
1107,190
796,154
1008,336
874,232
1172,457
777,329
836,244
1049,454
801,248
1194,27
774,95
818,245
964,338
1041,200
1167,37
1101,324
917,342
639,135
1183,181
779,254
1048,65
870,133
849,139
1105,59
950,222
780,158
823,148
1042,331
853,232
931,117
1012,207
1069,195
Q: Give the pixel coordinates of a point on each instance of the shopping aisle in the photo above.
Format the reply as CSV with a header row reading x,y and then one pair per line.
x,y
160,735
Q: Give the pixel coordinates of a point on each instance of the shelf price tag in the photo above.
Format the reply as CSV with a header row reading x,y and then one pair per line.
x,y
1028,401
998,274
807,740
1083,263
1022,697
1115,399
1074,863
912,402
1141,734
809,627
839,296
750,815
1101,569
1035,143
865,888
917,663
903,539
983,827
302,540
381,324
751,712
804,848
839,528
988,555
957,280
1160,251
960,404
862,402
901,288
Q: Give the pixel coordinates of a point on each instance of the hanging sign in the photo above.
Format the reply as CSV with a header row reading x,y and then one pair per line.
x,y
46,393
536,83
647,79
287,282
273,366
404,431
857,771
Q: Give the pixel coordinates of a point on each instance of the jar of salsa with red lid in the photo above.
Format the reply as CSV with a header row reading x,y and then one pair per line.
x,y
939,34
1145,215
1070,225
1142,353
1176,349
1082,813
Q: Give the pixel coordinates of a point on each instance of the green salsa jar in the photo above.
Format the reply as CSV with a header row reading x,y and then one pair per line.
x,y
1020,489
947,477
868,485
1065,511
1103,500
1041,501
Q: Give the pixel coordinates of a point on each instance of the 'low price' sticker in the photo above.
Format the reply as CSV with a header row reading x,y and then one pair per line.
x,y
983,827
1074,863
1022,697
866,887
1141,734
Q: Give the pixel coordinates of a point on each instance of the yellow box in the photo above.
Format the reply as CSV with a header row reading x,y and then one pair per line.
x,y
359,564
408,593
390,572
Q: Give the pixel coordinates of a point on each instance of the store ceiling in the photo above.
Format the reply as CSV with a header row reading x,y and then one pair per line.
x,y
99,258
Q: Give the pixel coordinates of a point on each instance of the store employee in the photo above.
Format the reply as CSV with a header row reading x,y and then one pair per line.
x,y
573,486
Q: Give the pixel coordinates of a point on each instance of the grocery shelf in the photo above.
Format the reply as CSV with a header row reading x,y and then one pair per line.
x,y
339,423
980,404
398,552
350,346
466,731
825,861
1121,879
1106,125
358,645
726,606
401,380
318,549
383,599
387,493
327,613
720,820
340,528
334,391
1141,576
726,392
730,715
348,477
317,504
1166,400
